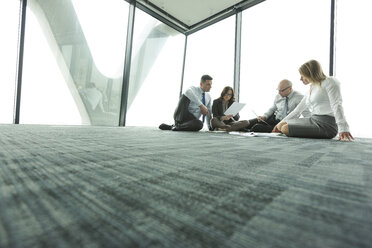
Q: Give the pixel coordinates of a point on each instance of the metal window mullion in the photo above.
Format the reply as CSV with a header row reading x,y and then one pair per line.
x,y
21,42
183,66
127,66
237,56
332,46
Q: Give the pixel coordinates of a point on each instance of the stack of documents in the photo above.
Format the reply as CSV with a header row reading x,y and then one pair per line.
x,y
252,134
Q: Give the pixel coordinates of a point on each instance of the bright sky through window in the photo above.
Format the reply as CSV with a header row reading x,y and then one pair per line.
x,y
104,26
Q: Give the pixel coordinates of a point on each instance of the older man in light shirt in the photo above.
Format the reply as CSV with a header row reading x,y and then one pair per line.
x,y
285,102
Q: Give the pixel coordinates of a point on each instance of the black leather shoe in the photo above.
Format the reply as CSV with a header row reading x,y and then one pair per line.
x,y
164,126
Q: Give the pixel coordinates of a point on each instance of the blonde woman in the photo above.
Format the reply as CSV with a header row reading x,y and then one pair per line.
x,y
325,103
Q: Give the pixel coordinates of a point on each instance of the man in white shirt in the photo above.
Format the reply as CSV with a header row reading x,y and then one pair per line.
x,y
194,108
284,103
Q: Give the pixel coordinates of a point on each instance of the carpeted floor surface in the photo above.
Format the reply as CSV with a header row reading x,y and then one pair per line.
x,y
66,186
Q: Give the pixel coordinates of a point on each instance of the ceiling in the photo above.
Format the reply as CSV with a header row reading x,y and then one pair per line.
x,y
189,15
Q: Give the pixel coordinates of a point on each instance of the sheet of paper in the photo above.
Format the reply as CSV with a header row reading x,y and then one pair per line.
x,y
271,135
257,117
252,134
234,108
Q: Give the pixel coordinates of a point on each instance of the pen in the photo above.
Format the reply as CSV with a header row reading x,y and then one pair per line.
x,y
259,119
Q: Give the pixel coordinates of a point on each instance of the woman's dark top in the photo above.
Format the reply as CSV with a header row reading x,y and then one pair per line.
x,y
217,111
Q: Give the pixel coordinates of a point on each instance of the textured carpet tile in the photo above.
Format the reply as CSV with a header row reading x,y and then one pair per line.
x,y
71,186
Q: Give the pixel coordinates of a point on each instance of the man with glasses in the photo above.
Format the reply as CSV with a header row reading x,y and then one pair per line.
x,y
284,103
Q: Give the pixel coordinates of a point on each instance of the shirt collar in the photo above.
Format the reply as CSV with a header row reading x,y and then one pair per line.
x,y
290,94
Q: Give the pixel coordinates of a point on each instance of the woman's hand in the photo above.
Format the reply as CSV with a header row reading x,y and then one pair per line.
x,y
345,136
278,127
275,129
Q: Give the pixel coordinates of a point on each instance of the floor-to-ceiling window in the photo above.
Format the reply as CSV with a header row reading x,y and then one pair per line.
x,y
156,67
73,61
211,51
277,38
353,62
9,21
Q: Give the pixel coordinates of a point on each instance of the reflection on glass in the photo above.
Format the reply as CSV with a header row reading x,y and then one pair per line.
x,y
66,79
277,38
353,63
211,51
9,19
105,35
155,72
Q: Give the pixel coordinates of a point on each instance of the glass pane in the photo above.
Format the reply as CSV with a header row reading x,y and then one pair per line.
x,y
277,38
353,62
156,68
211,51
73,62
9,19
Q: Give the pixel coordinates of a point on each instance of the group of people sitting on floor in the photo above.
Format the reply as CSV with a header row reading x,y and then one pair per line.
x,y
325,119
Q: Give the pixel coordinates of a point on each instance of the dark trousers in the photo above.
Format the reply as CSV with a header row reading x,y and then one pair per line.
x,y
262,127
183,119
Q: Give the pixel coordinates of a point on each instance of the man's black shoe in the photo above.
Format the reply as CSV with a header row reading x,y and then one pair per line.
x,y
165,127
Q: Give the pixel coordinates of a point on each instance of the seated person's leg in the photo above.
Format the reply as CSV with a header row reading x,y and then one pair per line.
x,y
238,125
216,123
182,114
196,125
321,127
184,120
252,122
285,129
193,125
261,128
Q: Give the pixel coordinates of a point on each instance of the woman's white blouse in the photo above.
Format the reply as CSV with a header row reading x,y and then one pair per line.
x,y
324,99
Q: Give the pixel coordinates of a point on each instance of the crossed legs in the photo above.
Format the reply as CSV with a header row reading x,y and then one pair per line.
x,y
232,126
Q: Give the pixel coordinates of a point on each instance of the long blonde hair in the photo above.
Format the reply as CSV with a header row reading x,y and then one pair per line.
x,y
312,70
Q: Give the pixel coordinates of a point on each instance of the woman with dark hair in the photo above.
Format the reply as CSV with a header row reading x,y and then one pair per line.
x,y
223,122
324,99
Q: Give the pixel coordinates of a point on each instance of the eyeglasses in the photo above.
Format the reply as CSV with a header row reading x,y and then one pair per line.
x,y
284,89
228,94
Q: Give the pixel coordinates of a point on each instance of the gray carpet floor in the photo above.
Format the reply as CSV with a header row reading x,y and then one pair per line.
x,y
73,186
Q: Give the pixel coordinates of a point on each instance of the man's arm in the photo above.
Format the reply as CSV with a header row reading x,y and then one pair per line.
x,y
193,97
